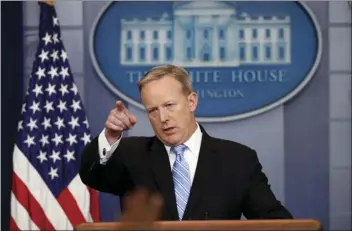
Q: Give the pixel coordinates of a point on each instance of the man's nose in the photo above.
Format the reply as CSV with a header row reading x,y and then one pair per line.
x,y
164,115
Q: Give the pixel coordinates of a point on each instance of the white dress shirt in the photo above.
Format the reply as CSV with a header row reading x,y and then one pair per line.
x,y
191,153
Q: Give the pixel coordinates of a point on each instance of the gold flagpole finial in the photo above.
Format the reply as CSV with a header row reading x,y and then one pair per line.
x,y
50,3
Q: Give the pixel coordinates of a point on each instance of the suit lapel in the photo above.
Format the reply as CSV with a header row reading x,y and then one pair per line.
x,y
160,165
203,175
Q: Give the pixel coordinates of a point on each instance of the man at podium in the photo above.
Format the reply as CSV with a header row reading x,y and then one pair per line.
x,y
198,176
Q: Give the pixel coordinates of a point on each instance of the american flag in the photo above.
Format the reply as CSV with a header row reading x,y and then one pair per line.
x,y
47,192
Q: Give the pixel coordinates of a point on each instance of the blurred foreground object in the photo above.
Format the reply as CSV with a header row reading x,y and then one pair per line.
x,y
142,209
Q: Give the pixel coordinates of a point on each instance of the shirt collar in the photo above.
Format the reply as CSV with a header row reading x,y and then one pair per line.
x,y
193,143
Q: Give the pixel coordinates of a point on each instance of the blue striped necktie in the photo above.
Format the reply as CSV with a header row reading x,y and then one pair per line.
x,y
181,178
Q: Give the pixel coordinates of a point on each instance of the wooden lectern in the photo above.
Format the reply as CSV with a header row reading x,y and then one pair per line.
x,y
295,224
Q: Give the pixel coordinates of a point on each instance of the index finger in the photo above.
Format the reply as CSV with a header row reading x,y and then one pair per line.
x,y
120,106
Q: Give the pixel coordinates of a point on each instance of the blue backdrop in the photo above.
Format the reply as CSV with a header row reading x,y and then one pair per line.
x,y
304,145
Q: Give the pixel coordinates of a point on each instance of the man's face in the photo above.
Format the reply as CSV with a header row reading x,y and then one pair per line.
x,y
170,111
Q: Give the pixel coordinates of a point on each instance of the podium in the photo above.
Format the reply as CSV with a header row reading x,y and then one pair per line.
x,y
294,224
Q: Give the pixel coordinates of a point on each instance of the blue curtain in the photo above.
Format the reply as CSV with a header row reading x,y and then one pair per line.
x,y
11,95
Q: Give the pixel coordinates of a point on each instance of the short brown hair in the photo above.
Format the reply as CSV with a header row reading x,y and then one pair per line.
x,y
179,73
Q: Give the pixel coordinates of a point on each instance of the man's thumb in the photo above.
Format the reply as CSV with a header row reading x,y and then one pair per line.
x,y
133,119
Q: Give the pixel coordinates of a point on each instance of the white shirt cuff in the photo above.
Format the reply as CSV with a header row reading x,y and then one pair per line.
x,y
105,149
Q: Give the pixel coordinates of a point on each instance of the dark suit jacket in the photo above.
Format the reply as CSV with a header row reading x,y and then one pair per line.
x,y
228,181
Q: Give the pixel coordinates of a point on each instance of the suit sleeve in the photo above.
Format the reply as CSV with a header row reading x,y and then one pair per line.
x,y
111,176
260,202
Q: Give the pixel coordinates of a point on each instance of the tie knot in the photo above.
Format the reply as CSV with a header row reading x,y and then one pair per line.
x,y
179,149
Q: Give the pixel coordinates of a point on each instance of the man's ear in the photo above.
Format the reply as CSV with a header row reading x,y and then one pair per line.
x,y
193,101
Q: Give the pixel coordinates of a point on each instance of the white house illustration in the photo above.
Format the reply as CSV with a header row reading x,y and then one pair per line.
x,y
206,33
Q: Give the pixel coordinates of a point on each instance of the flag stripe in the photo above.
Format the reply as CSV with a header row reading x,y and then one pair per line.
x,y
22,220
80,193
69,205
13,225
94,205
25,198
39,190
